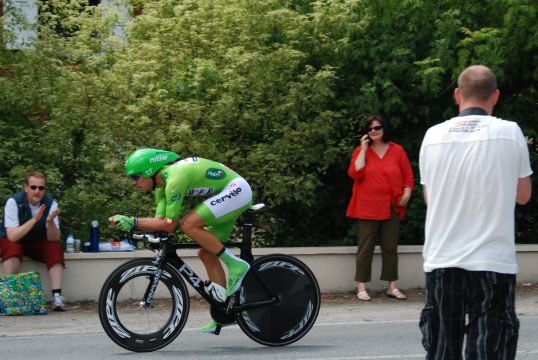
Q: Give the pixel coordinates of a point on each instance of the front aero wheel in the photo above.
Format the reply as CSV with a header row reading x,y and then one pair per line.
x,y
294,315
127,321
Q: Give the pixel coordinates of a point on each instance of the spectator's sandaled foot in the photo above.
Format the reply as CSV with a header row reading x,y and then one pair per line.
x,y
396,294
58,302
363,295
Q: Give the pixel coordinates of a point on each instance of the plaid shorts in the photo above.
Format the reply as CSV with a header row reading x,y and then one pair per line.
x,y
485,299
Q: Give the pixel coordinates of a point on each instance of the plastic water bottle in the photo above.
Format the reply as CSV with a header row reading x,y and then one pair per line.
x,y
70,244
123,245
216,291
94,236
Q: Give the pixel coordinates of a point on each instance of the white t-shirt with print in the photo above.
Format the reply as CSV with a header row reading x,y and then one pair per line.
x,y
470,167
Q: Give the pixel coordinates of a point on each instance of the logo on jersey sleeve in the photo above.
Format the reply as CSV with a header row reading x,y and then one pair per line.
x,y
176,198
215,174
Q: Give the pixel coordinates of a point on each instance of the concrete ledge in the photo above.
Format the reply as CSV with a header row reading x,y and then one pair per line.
x,y
334,267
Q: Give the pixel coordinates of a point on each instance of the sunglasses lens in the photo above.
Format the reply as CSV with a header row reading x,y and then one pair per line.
x,y
135,177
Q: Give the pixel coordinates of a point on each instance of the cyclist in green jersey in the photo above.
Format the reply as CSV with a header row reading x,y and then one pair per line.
x,y
209,223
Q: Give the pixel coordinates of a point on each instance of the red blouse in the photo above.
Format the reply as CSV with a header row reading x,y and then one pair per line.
x,y
379,183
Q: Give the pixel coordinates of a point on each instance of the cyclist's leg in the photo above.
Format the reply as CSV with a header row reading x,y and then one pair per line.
x,y
213,267
237,267
220,213
193,226
211,262
203,224
213,220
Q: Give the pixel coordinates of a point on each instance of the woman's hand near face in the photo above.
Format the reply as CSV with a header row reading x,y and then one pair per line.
x,y
360,161
365,141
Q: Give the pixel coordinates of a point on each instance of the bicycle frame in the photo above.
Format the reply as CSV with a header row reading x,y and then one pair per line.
x,y
168,253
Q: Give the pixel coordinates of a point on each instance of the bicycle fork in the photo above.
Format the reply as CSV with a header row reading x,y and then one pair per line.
x,y
154,281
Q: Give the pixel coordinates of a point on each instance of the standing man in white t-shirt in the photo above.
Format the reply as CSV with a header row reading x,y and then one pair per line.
x,y
474,169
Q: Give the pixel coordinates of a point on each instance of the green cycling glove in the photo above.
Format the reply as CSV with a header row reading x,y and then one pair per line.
x,y
125,223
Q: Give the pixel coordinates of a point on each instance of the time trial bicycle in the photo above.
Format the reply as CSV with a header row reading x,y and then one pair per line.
x,y
144,303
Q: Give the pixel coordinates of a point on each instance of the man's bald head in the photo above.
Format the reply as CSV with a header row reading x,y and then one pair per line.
x,y
477,82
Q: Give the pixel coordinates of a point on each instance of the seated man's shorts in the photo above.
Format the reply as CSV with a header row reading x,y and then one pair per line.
x,y
49,252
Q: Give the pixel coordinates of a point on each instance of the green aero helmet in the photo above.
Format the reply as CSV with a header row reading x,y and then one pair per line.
x,y
148,161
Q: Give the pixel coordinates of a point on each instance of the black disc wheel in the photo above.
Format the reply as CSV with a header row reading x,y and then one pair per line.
x,y
131,323
296,310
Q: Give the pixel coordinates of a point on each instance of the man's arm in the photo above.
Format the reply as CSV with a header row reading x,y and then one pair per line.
x,y
53,233
160,202
157,224
524,190
425,193
16,233
405,197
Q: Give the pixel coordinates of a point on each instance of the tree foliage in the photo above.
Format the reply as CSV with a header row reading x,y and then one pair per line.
x,y
278,90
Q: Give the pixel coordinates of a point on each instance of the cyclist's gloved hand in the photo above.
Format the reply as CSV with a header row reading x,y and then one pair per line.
x,y
124,222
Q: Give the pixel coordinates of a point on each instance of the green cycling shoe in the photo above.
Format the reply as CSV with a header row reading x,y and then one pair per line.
x,y
237,269
210,327
236,272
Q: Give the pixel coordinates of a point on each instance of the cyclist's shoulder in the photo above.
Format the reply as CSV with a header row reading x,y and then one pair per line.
x,y
192,163
187,168
198,170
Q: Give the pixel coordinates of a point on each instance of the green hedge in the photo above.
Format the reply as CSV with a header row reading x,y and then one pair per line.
x,y
278,90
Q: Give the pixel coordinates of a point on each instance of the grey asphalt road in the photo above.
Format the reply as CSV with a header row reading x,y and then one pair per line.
x,y
346,329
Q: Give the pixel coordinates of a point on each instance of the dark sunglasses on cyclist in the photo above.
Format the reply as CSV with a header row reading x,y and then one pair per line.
x,y
40,187
135,177
376,128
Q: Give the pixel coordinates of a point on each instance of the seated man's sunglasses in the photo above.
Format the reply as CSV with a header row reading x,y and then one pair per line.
x,y
40,187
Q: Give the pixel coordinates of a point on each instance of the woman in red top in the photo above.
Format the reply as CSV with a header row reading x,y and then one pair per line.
x,y
383,181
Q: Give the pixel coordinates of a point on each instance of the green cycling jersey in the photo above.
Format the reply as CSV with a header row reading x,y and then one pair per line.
x,y
190,177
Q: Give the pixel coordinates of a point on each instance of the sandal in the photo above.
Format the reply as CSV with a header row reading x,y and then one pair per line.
x,y
396,294
363,295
